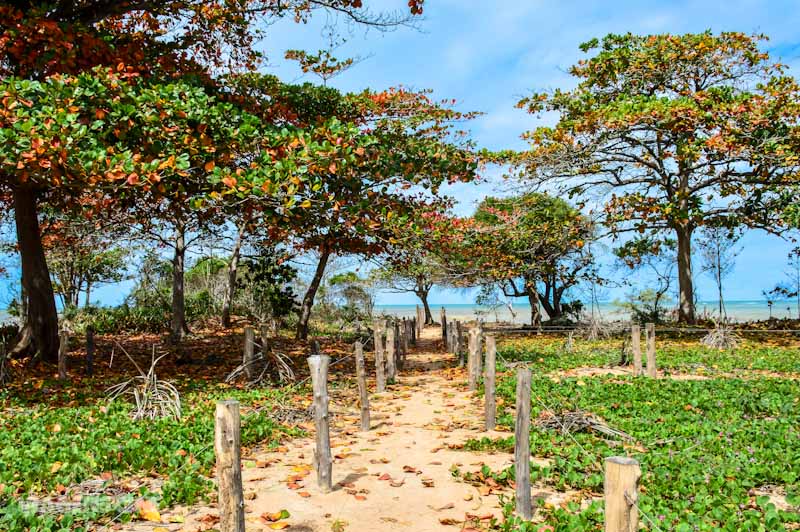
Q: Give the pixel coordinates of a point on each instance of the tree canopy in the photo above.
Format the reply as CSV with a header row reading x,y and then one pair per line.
x,y
672,132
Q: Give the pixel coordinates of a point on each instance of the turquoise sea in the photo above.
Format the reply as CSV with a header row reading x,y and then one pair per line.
x,y
520,313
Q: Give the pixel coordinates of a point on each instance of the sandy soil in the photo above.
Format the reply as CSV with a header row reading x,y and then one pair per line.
x,y
397,476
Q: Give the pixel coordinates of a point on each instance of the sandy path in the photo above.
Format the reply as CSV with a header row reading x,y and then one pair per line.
x,y
412,425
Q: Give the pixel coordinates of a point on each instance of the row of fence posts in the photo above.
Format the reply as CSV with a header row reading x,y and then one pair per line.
x,y
391,337
622,474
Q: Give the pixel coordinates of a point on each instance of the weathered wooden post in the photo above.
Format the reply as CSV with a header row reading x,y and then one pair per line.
x,y
265,339
621,491
479,357
420,322
318,365
460,347
473,343
405,341
450,340
636,347
443,320
409,337
489,383
391,352
361,375
650,333
89,351
522,445
249,352
414,331
380,370
227,425
63,350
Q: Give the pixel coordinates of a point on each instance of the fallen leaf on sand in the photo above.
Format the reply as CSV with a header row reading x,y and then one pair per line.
x,y
385,476
482,517
468,497
304,494
271,517
427,482
279,526
147,510
397,483
449,521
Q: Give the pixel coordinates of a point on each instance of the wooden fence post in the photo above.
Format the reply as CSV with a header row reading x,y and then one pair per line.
x,y
490,407
621,491
479,356
650,332
318,365
522,445
414,331
443,320
89,350
264,339
380,371
361,374
227,425
636,347
405,341
460,347
63,350
473,357
449,341
249,352
391,352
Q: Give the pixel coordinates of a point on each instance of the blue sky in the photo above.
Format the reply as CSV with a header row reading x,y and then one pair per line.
x,y
487,55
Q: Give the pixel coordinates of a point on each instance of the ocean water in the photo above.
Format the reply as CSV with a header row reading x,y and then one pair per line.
x,y
736,311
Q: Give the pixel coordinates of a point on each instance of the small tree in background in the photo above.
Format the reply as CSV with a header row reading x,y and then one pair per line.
x,y
790,288
719,251
655,259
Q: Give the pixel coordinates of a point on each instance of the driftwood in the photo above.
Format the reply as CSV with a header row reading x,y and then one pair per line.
x,y
578,421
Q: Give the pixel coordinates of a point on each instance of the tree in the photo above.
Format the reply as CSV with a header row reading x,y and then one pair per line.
x,y
410,263
656,259
82,254
411,144
791,287
40,39
672,132
409,272
719,252
533,246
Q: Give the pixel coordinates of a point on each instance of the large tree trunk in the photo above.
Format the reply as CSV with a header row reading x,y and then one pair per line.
x,y
533,299
422,293
178,326
308,299
40,323
686,312
233,267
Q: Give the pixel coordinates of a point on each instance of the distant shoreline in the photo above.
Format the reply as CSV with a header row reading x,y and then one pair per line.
x,y
743,310
740,311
